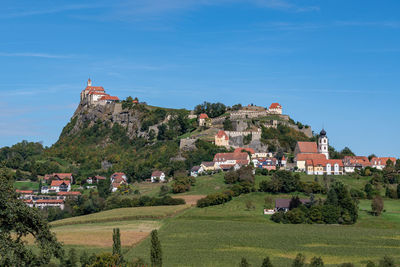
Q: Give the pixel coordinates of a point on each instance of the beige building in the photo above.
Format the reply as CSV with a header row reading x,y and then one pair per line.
x,y
221,139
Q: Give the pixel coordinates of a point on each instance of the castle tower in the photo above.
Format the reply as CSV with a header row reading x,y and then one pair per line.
x,y
89,82
323,144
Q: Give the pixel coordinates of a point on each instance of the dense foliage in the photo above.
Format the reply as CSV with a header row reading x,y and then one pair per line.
x,y
211,109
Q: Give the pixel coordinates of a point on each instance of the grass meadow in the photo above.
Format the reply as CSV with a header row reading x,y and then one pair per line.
x,y
221,235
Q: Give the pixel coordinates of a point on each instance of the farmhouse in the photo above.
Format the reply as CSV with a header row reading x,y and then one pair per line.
x,y
232,159
283,204
352,163
302,158
209,166
60,186
380,163
157,176
324,166
196,170
95,179
119,177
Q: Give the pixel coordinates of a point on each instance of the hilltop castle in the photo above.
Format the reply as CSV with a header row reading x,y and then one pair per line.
x,y
96,95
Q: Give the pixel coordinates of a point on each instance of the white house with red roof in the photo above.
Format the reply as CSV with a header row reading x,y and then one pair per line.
x,y
118,177
96,95
381,162
324,166
275,108
60,186
231,160
157,176
203,118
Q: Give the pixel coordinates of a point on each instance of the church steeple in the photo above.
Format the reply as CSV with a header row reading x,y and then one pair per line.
x,y
89,82
323,144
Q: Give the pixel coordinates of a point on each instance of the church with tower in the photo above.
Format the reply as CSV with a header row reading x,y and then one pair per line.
x,y
323,144
96,95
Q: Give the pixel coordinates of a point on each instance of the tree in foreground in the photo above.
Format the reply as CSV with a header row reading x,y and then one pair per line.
x,y
244,263
299,261
316,262
267,263
155,250
387,262
377,205
117,244
370,264
18,221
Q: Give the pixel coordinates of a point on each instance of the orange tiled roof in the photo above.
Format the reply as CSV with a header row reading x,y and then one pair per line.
x,y
203,116
304,157
222,134
307,147
59,182
275,106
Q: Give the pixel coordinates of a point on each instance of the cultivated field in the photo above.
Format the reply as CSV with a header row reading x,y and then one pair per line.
x,y
221,235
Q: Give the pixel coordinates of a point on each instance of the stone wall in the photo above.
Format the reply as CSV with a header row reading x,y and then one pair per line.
x,y
187,144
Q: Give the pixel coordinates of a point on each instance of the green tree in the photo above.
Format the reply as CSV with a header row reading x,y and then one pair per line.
x,y
17,221
299,261
71,260
104,188
316,262
387,262
370,264
267,262
117,244
244,263
155,250
377,205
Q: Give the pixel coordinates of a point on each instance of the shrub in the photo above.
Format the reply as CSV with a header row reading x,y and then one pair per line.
x,y
214,199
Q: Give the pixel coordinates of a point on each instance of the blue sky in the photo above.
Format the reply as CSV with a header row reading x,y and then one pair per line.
x,y
330,63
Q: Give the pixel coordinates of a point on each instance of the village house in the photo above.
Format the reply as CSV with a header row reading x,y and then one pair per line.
x,y
60,186
94,95
25,194
380,163
302,158
209,166
45,203
275,108
118,177
325,166
28,202
227,161
352,163
267,163
204,120
95,179
59,176
221,139
157,176
283,204
196,170
283,161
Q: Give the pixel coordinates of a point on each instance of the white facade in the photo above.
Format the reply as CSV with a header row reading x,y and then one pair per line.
x,y
323,144
160,178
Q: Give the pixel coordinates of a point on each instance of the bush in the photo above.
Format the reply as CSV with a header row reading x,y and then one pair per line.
x,y
214,199
278,217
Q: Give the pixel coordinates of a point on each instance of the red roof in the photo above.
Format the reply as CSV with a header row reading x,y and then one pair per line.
x,y
241,158
71,193
108,97
63,175
275,106
28,201
324,162
156,174
307,147
304,157
222,134
203,116
356,160
49,201
24,191
96,93
59,182
240,149
94,88
382,161
283,157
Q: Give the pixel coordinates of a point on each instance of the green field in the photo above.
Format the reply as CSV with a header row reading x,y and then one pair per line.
x,y
221,235
26,185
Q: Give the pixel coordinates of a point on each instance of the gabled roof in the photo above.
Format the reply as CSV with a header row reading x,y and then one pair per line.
x,y
208,163
94,88
285,202
195,168
49,201
324,162
241,157
222,134
203,116
382,160
63,175
275,106
307,147
156,174
59,182
304,157
108,97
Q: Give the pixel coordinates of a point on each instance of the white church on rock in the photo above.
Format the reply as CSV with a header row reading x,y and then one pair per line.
x,y
96,95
